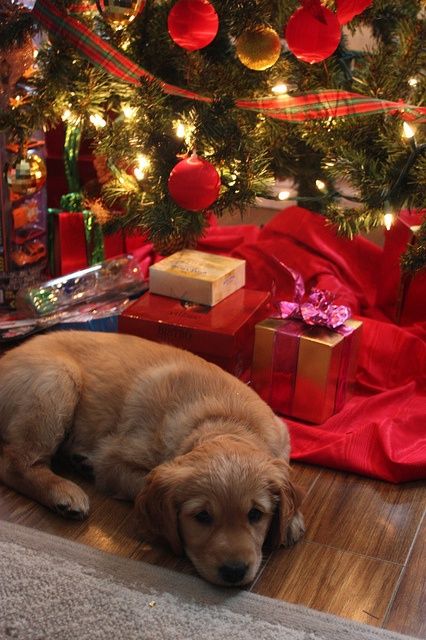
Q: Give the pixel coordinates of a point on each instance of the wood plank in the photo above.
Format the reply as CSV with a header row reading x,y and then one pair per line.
x,y
112,528
163,558
364,516
304,475
407,613
330,580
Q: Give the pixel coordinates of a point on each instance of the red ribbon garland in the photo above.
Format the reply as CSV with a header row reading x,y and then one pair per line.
x,y
314,106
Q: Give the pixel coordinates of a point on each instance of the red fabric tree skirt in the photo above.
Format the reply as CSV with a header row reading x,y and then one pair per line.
x,y
381,431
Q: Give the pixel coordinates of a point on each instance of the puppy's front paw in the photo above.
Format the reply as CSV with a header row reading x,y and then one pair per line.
x,y
69,501
295,530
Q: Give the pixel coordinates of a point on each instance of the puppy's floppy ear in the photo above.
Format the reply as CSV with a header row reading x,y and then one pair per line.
x,y
157,505
289,498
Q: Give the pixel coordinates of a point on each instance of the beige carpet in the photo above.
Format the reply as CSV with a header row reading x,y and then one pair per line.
x,y
54,589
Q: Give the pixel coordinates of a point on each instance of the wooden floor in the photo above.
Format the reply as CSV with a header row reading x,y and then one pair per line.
x,y
363,556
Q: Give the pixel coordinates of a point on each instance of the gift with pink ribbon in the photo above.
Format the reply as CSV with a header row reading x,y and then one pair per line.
x,y
305,355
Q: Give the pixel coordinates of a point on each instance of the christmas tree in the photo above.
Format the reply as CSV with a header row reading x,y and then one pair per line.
x,y
198,106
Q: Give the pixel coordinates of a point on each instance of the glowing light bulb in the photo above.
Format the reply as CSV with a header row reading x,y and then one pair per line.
x,y
388,219
142,164
180,130
138,173
97,121
129,112
321,186
143,161
66,115
283,195
413,82
408,131
280,88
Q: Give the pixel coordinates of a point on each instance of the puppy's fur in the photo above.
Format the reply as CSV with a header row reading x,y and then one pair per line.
x,y
202,456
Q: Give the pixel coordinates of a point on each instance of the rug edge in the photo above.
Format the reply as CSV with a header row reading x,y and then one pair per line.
x,y
127,572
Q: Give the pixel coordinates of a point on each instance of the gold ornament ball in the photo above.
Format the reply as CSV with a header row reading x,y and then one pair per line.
x,y
27,175
258,48
119,13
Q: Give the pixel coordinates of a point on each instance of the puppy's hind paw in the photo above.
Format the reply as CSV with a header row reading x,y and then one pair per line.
x,y
295,530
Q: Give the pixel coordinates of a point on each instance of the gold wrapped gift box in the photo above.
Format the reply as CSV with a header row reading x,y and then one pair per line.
x,y
304,371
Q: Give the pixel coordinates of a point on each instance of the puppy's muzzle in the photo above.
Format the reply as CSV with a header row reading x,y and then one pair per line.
x,y
233,573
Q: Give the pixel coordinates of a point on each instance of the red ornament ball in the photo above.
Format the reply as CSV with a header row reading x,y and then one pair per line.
x,y
194,184
193,24
313,33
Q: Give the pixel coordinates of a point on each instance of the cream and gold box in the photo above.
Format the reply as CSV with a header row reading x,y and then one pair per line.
x,y
197,276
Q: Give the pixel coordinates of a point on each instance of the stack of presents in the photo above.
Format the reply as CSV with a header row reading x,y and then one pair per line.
x,y
299,353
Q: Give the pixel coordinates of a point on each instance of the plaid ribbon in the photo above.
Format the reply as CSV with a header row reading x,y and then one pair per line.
x,y
313,106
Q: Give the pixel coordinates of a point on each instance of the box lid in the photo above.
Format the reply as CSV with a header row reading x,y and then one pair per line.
x,y
190,263
220,330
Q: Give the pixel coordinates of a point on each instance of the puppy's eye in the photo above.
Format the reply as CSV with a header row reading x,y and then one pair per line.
x,y
203,517
254,515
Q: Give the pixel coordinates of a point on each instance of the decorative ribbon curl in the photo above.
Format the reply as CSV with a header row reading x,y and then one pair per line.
x,y
318,310
314,106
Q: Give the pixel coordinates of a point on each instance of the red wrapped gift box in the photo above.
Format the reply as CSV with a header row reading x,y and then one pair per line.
x,y
401,296
69,243
223,334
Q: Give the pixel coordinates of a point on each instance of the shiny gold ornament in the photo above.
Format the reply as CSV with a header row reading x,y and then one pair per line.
x,y
119,13
258,48
26,175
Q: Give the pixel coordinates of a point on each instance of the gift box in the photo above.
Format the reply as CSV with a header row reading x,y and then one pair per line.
x,y
107,325
401,296
23,224
197,276
76,242
304,371
223,334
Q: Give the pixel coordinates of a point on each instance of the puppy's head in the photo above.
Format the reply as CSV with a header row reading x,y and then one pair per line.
x,y
219,504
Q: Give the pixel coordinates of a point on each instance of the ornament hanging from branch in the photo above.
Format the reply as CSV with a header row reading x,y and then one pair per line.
x,y
313,32
26,175
119,13
194,183
258,48
346,10
193,24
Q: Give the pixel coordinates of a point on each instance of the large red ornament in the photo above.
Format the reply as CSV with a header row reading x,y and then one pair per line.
x,y
313,32
193,24
194,183
348,9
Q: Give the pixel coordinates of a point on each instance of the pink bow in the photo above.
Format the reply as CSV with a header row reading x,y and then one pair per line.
x,y
317,310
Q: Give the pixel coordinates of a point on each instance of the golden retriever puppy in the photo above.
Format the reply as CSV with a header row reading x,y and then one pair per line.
x,y
202,456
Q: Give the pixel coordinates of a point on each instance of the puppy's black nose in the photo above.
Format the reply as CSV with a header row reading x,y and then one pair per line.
x,y
233,573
